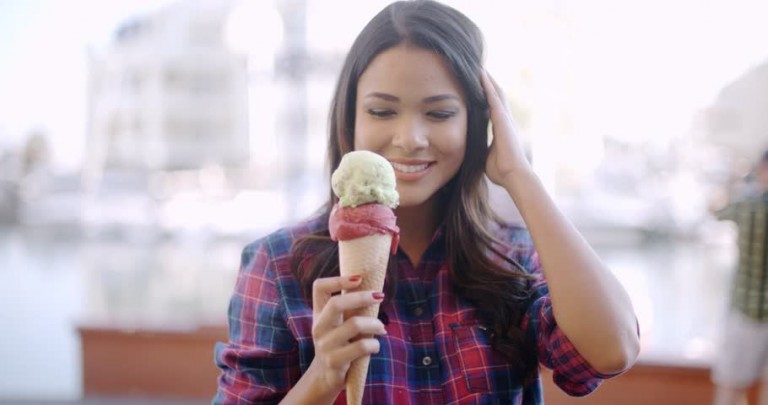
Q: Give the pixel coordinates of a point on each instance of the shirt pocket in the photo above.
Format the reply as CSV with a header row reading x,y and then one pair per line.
x,y
485,370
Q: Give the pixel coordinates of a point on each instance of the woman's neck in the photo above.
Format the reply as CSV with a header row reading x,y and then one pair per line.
x,y
417,227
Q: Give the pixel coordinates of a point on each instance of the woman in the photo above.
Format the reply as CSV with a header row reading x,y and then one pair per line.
x,y
468,316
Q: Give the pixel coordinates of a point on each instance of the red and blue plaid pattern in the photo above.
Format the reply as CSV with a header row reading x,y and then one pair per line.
x,y
436,351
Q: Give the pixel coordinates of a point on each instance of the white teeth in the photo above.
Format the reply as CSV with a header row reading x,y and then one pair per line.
x,y
409,168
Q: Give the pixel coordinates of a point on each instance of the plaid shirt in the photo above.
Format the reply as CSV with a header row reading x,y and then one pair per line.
x,y
749,291
436,351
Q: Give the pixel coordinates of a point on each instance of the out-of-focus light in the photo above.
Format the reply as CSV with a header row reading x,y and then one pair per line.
x,y
255,28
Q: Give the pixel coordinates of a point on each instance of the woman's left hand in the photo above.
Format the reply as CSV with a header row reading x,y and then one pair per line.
x,y
506,156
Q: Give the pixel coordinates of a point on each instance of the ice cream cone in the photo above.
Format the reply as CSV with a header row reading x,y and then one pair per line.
x,y
366,228
367,256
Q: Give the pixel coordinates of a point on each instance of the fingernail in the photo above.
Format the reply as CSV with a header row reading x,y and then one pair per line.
x,y
356,278
378,296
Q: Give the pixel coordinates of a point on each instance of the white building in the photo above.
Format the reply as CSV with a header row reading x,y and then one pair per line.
x,y
168,94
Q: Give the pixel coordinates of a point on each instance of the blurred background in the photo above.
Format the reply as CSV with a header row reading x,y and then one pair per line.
x,y
144,143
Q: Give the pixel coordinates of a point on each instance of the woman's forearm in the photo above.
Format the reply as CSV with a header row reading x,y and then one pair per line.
x,y
590,305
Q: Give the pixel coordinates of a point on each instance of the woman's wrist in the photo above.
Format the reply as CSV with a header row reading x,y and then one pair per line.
x,y
312,388
519,181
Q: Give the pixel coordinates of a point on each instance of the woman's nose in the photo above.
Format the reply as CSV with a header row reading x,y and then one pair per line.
x,y
411,134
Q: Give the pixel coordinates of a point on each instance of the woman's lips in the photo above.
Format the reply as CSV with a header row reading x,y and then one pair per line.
x,y
411,171
410,168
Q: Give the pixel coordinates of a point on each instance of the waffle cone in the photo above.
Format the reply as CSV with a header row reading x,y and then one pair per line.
x,y
367,256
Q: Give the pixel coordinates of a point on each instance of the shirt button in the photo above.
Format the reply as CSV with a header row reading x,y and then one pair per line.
x,y
426,360
418,311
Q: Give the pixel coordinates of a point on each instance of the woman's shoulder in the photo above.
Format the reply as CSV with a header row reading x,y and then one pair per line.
x,y
512,234
515,243
277,245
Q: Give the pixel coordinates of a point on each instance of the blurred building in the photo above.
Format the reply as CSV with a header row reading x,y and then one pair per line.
x,y
736,122
168,94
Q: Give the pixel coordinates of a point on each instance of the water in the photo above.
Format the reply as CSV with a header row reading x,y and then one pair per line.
x,y
53,280
679,291
40,294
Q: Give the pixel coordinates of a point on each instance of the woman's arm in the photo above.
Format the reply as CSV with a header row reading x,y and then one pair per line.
x,y
260,362
589,304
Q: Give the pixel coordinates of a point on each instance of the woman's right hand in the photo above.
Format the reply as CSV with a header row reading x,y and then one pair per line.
x,y
332,334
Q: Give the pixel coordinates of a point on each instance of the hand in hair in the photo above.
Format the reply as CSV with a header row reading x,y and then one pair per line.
x,y
506,155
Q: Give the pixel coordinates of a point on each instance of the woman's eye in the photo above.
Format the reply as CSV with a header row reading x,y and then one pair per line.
x,y
380,112
441,115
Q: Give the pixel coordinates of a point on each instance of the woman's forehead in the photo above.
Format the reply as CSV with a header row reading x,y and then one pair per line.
x,y
408,70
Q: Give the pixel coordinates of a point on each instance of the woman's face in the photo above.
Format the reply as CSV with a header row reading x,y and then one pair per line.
x,y
411,110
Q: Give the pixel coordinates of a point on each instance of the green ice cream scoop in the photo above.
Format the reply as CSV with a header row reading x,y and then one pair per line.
x,y
365,177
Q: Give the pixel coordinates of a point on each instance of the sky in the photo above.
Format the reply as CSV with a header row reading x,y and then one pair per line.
x,y
642,64
43,64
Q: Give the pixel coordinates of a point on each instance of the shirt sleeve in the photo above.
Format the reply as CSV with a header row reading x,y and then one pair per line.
x,y
570,371
260,362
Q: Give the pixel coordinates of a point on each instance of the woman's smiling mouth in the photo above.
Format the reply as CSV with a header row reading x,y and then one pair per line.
x,y
405,168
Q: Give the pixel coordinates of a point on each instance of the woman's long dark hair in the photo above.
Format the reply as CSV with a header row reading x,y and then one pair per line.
x,y
500,292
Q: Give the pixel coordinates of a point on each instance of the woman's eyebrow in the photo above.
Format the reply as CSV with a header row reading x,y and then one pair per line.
x,y
441,97
383,96
426,100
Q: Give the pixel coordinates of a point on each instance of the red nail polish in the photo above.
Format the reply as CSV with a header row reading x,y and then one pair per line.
x,y
356,278
378,296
